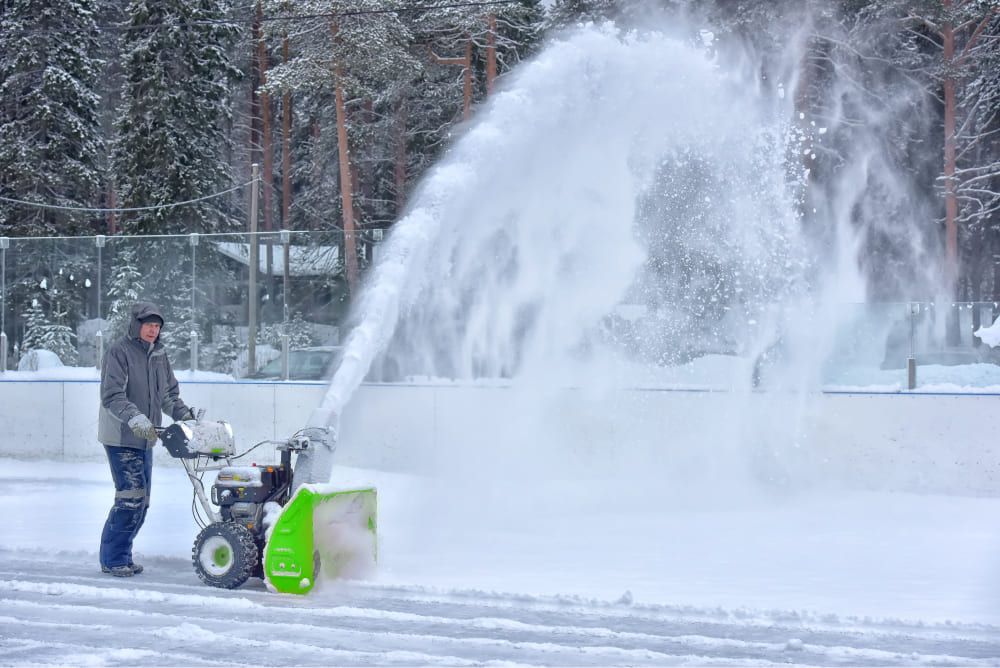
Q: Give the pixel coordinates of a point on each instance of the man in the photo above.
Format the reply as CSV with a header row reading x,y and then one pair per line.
x,y
137,383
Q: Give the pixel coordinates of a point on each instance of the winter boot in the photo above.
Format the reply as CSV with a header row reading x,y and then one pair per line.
x,y
118,571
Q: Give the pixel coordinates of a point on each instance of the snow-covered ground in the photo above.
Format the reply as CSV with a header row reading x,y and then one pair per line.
x,y
850,578
572,572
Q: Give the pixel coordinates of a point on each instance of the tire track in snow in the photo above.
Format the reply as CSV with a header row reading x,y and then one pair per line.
x,y
403,636
367,624
587,645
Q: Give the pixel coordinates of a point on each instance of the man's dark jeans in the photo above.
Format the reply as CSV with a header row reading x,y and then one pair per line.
x,y
131,470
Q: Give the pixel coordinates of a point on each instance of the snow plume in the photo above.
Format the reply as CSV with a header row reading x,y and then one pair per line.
x,y
613,173
525,239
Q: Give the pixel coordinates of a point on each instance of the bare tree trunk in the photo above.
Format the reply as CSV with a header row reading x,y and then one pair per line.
x,y
953,63
491,54
399,170
467,97
112,204
465,62
255,78
364,175
950,201
286,158
346,197
253,153
265,109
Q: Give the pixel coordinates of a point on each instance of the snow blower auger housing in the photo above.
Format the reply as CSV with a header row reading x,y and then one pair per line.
x,y
258,525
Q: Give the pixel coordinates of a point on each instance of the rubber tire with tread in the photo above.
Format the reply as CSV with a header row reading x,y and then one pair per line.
x,y
225,554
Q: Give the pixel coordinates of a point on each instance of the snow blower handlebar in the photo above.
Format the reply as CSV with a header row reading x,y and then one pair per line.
x,y
189,439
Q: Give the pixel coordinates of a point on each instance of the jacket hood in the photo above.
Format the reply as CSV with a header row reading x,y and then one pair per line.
x,y
142,310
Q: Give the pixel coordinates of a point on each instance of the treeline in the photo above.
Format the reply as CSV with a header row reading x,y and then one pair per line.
x,y
113,112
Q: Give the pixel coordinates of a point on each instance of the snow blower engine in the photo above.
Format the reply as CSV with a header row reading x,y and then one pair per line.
x,y
259,525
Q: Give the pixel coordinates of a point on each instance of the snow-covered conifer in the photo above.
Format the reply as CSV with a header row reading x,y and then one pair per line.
x,y
175,114
50,141
123,291
43,333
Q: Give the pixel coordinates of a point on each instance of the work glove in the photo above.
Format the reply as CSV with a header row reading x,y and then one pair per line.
x,y
142,427
194,414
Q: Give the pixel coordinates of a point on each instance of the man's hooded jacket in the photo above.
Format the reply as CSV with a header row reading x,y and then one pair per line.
x,y
136,378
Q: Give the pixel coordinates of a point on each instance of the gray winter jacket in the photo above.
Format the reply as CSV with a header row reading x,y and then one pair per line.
x,y
136,378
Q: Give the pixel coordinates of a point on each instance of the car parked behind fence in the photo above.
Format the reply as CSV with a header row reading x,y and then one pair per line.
x,y
316,363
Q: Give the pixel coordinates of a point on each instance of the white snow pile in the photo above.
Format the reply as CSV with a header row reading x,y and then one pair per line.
x,y
990,335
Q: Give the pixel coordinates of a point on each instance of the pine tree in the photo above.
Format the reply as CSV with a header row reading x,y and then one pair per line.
x,y
42,334
175,116
110,12
227,350
298,330
34,321
124,290
50,141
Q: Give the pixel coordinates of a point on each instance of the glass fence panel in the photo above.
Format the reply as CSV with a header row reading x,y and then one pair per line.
x,y
71,296
66,294
879,343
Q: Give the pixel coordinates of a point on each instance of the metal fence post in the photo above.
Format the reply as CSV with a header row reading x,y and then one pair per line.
x,y
284,357
286,238
99,240
193,240
194,350
911,361
99,349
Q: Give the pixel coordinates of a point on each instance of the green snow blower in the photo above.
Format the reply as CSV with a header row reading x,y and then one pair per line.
x,y
260,523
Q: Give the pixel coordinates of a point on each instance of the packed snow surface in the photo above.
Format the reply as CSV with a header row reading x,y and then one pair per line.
x,y
848,578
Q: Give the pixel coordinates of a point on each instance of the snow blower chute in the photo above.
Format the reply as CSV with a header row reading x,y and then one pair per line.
x,y
261,521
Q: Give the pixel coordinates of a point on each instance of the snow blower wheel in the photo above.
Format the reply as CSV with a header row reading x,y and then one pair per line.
x,y
225,554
